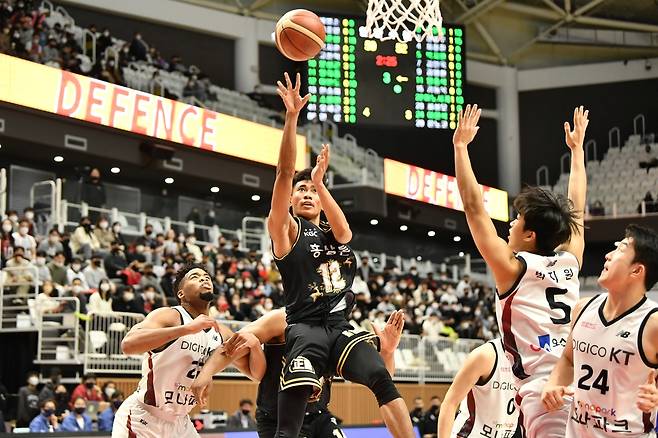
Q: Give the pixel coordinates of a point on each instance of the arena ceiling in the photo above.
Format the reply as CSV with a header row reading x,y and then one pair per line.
x,y
523,33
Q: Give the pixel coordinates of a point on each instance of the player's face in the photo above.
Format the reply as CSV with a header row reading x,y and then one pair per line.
x,y
197,285
305,200
518,237
618,266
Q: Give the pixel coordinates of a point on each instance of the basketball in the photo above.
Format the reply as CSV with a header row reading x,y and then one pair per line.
x,y
300,35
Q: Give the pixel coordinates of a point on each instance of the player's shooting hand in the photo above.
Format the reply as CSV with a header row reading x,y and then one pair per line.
x,y
389,337
240,341
321,166
202,322
576,138
552,395
201,388
647,396
467,127
290,95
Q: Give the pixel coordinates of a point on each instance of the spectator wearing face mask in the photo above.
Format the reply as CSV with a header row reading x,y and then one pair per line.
x,y
75,272
101,301
77,420
108,390
167,284
193,248
6,240
28,401
106,418
150,279
94,272
103,234
48,390
28,215
115,261
138,48
46,421
242,418
58,270
170,245
20,274
78,290
118,236
43,273
93,192
23,239
152,299
87,390
52,244
84,241
147,242
127,301
103,41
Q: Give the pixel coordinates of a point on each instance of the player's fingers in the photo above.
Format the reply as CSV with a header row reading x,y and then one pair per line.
x,y
376,330
477,116
298,81
651,380
288,82
567,128
305,99
586,115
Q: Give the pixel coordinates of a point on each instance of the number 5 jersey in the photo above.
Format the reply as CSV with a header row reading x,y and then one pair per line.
x,y
534,315
609,366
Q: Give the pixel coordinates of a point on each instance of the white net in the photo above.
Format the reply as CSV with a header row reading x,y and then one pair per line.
x,y
403,20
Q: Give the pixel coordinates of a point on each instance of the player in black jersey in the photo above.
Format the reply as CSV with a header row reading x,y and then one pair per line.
x,y
319,422
317,269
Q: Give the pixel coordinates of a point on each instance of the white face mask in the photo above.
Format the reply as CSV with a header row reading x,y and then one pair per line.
x,y
105,287
103,225
268,306
33,380
6,228
75,267
41,261
117,229
23,230
248,285
13,218
76,289
128,296
150,295
109,391
29,215
53,239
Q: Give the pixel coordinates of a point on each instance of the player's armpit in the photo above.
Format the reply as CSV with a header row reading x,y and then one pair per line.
x,y
283,234
650,339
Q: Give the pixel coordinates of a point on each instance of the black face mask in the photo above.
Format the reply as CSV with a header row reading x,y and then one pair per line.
x,y
48,412
245,412
89,385
80,410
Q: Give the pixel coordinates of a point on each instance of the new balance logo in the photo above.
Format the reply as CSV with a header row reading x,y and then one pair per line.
x,y
623,334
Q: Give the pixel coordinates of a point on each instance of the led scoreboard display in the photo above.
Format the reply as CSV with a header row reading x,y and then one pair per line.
x,y
357,80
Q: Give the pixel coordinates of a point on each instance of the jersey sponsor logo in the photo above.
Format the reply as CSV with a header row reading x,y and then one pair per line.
x,y
301,364
143,421
547,343
593,407
624,334
179,398
195,347
589,325
310,233
615,355
503,386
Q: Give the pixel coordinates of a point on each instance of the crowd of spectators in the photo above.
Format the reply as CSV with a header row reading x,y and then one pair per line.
x,y
426,421
26,33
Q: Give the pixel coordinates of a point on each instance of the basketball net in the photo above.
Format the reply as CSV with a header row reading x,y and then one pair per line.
x,y
403,20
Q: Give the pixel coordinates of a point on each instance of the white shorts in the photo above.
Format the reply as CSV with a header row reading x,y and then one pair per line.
x,y
132,420
537,422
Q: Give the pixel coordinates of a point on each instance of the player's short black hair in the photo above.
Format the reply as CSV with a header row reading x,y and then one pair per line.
x,y
246,401
182,272
552,217
304,175
645,245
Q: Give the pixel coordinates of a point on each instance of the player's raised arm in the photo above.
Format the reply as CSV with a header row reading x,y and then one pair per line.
x,y
335,215
478,365
506,268
577,180
159,327
280,224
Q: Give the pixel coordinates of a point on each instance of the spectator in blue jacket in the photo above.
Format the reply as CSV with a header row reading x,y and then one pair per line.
x,y
106,418
46,421
77,420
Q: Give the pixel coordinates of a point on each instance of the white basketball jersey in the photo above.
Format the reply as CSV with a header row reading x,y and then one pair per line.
x,y
168,374
608,368
534,315
489,408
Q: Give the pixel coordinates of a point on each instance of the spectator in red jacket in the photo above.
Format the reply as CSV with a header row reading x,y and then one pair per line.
x,y
87,389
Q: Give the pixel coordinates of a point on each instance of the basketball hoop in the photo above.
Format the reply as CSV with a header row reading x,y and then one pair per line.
x,y
403,20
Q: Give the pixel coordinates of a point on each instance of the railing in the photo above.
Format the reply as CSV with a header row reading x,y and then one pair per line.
x,y
59,333
254,234
612,134
46,203
103,335
17,287
543,170
639,120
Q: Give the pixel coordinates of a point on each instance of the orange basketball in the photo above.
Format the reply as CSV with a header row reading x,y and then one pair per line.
x,y
300,35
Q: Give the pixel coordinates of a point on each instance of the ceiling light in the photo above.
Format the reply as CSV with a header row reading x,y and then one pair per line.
x,y
115,170
169,180
403,228
58,158
255,198
457,238
374,221
214,189
461,253
431,233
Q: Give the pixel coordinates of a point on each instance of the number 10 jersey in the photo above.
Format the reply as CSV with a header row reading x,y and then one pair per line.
x,y
534,316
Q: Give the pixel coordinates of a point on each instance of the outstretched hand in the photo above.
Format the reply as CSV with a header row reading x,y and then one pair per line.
x,y
290,95
467,127
576,138
321,166
389,337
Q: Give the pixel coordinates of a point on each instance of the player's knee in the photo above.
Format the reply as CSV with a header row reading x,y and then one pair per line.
x,y
382,386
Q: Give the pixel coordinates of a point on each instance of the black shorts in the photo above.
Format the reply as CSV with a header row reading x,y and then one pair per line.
x,y
320,425
265,424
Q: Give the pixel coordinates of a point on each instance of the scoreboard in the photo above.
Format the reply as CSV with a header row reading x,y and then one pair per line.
x,y
358,80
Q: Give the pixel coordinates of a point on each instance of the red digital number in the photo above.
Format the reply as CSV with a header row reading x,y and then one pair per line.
x,y
386,61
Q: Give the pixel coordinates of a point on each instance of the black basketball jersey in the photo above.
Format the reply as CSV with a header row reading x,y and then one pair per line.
x,y
316,273
268,389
